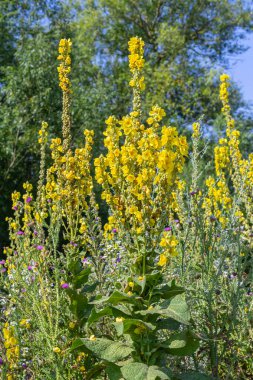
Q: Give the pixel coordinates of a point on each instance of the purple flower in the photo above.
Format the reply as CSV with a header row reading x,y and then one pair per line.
x,y
114,230
2,262
73,243
193,193
39,247
1,361
65,285
29,267
35,232
20,233
176,221
24,365
23,290
28,199
3,270
118,260
167,229
15,208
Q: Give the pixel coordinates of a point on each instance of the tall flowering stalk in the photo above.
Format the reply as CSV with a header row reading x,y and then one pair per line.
x,y
43,138
230,191
136,63
139,173
64,70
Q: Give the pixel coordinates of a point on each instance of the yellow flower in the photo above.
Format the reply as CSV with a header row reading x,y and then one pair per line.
x,y
119,320
25,323
92,337
72,325
57,350
162,260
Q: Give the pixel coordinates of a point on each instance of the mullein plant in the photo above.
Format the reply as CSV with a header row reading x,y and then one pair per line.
x,y
49,236
138,175
215,234
144,322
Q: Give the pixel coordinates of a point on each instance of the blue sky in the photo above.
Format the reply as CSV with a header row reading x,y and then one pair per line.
x,y
241,70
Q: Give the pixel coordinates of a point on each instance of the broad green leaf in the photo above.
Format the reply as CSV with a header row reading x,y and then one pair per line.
x,y
140,371
81,278
105,349
168,291
116,298
108,311
154,278
89,288
113,372
177,309
181,344
79,304
129,325
94,371
167,324
96,315
75,267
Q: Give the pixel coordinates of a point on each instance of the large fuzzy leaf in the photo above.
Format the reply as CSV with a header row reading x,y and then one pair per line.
x,y
105,349
181,344
140,371
175,308
116,298
129,325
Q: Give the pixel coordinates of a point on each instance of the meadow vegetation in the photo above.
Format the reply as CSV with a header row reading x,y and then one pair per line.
x,y
163,289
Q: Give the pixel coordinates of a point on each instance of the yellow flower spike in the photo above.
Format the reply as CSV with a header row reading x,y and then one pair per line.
x,y
136,63
64,82
196,130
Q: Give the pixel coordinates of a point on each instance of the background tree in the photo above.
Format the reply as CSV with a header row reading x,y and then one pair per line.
x,y
186,42
28,87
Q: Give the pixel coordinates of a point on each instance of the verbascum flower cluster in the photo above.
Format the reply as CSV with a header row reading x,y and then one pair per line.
x,y
230,167
69,183
65,66
140,169
64,82
136,63
12,347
